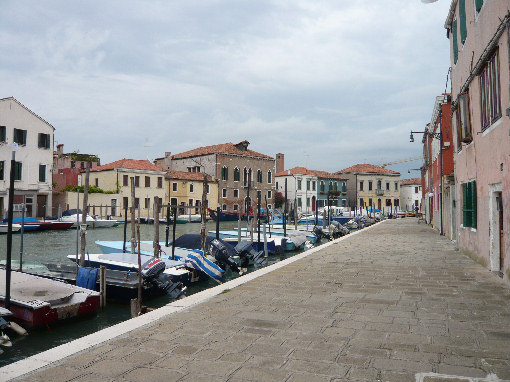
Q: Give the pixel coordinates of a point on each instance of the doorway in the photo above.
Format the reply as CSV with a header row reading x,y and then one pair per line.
x,y
496,213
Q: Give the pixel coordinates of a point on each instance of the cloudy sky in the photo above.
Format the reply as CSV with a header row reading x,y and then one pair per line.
x,y
329,83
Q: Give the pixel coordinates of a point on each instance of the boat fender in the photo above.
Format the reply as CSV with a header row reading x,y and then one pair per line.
x,y
17,328
5,340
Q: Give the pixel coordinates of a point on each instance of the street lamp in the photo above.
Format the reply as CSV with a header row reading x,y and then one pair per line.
x,y
440,137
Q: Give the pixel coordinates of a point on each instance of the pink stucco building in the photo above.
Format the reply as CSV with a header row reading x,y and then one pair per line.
x,y
478,31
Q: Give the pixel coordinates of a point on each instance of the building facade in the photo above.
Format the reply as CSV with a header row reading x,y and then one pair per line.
x,y
410,194
372,186
114,179
242,174
479,52
186,189
31,138
67,166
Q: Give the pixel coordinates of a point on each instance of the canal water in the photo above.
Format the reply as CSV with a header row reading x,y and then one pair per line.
x,y
44,247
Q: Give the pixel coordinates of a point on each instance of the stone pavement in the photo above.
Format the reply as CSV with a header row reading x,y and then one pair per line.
x,y
396,302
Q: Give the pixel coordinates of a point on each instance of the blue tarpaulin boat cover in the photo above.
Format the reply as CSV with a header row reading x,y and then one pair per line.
x,y
86,278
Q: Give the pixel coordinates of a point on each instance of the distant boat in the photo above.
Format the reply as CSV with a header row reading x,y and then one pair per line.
x,y
37,225
4,228
38,301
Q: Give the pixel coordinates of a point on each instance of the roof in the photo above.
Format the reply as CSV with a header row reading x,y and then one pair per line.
x,y
240,148
185,175
30,111
409,182
367,169
305,171
131,164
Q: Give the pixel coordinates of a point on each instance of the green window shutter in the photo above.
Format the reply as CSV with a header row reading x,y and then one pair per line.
x,y
478,4
17,170
464,205
2,133
454,42
473,204
462,17
42,173
48,141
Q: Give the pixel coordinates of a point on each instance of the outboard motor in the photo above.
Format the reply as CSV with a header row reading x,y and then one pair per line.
x,y
152,271
222,257
247,253
317,231
334,229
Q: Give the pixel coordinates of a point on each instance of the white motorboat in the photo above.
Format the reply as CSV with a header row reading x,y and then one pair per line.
x,y
91,221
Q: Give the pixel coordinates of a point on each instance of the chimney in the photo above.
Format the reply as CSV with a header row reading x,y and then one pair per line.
x,y
60,149
168,161
280,165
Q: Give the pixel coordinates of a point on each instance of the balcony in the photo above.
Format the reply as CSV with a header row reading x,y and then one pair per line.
x,y
379,192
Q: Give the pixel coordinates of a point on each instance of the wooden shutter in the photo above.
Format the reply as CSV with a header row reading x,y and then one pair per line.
x,y
24,141
478,5
462,17
464,205
454,42
48,141
473,204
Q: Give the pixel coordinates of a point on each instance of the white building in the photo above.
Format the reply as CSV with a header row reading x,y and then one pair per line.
x,y
410,194
301,188
33,136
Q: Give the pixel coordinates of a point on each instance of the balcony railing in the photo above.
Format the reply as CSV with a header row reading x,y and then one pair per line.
x,y
379,192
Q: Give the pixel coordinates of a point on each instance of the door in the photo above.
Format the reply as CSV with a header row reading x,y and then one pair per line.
x,y
41,205
313,203
499,204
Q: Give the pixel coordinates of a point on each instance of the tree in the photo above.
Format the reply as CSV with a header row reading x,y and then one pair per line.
x,y
279,199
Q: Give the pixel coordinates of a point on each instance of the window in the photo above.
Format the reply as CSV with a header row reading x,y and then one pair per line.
x,y
308,185
147,181
237,175
174,186
469,204
236,207
2,167
463,119
160,182
396,202
269,177
361,185
259,195
137,181
462,17
190,202
224,207
322,186
259,176
224,193
208,188
147,203
20,137
369,201
335,186
73,164
82,165
369,185
307,202
396,186
454,42
42,173
277,185
490,96
299,202
125,180
125,201
224,173
236,193
313,185
416,190
3,134
269,194
137,203
478,5
361,202
44,141
18,170
388,202
191,188
97,182
387,186
299,184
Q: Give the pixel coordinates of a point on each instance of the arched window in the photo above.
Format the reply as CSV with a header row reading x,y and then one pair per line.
x,y
259,176
322,186
224,173
269,177
237,175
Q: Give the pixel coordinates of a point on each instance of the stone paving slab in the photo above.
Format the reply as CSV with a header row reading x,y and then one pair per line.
x,y
396,302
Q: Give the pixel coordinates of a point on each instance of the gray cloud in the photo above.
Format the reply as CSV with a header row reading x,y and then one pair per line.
x,y
328,83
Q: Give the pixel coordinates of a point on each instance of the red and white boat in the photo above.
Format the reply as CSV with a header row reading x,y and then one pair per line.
x,y
39,301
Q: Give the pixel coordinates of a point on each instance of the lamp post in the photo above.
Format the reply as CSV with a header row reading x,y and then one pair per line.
x,y
438,136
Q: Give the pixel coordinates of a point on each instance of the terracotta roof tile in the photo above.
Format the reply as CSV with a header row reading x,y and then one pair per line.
x,y
184,175
132,164
407,182
367,168
305,171
224,148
